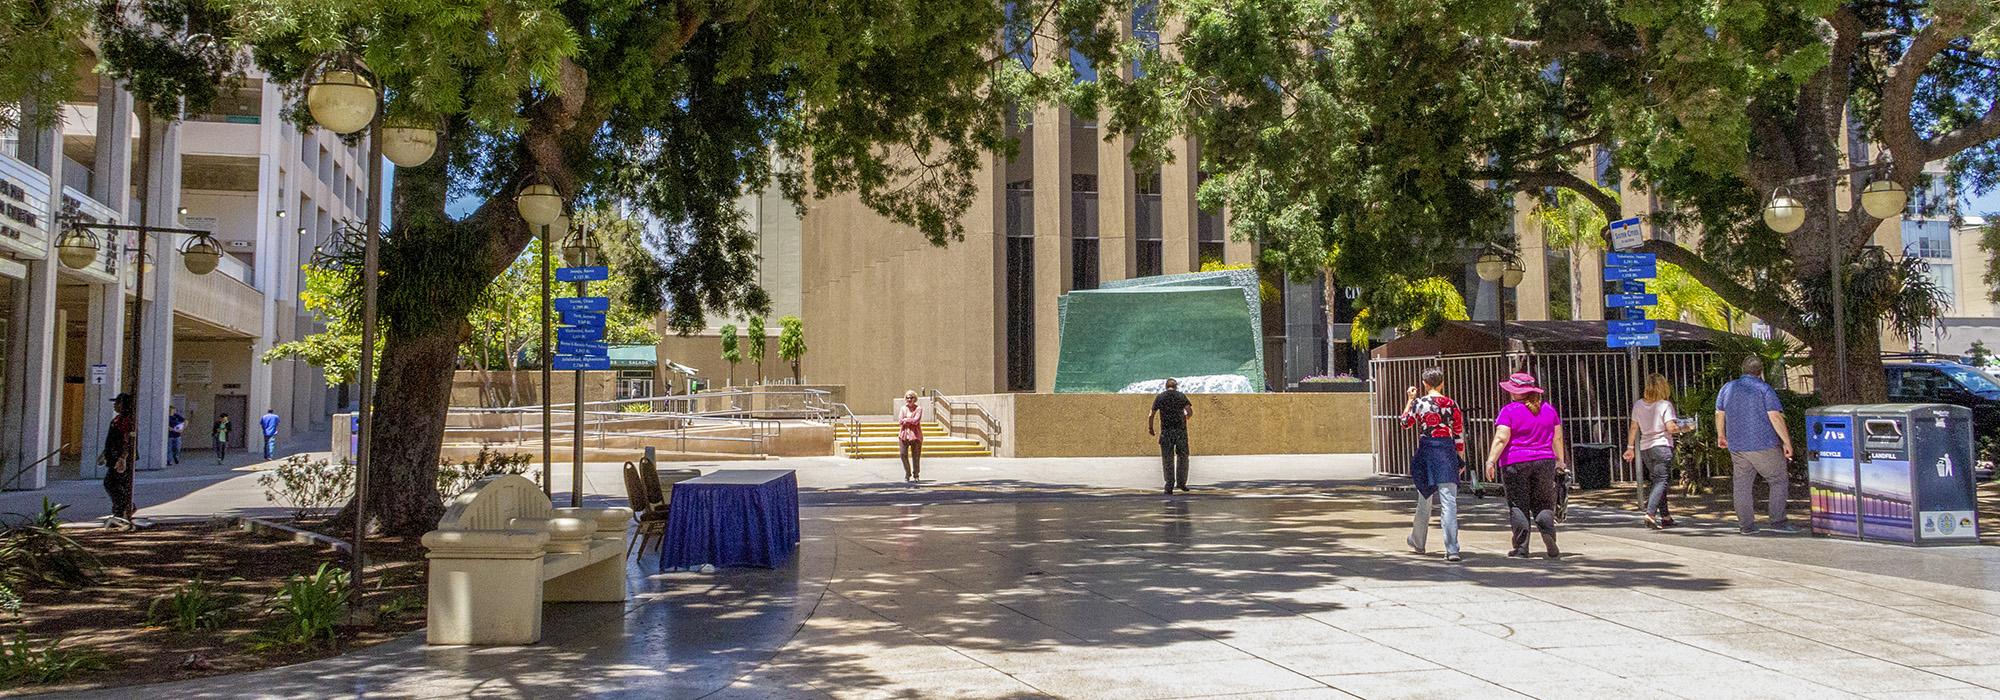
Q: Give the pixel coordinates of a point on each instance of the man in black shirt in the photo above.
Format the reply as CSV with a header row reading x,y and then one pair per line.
x,y
1173,409
118,461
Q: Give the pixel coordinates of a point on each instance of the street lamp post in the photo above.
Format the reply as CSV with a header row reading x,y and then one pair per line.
x,y
343,99
1783,214
78,248
541,205
1504,269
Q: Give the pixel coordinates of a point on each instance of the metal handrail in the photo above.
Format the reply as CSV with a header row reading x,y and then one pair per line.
x,y
12,478
853,422
952,409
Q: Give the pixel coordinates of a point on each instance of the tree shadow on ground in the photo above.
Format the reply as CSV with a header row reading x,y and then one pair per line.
x,y
1011,597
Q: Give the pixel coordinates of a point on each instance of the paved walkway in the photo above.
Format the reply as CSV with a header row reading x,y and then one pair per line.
x,y
1232,593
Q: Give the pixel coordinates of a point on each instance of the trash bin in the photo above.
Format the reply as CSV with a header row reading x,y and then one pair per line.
x,y
1592,462
1892,472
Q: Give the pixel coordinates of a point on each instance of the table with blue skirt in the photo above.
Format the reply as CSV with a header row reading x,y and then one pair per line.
x,y
733,517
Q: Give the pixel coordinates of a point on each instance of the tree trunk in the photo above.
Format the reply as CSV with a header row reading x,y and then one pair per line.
x,y
796,379
1331,296
1575,262
1864,382
413,397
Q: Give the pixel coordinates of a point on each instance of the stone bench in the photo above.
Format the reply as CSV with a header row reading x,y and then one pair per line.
x,y
502,549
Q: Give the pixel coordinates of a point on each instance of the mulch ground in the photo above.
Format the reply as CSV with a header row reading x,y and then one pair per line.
x,y
139,567
1715,503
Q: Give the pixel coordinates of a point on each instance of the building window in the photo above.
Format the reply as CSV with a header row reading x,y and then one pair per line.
x,y
1021,286
1147,220
1930,240
1940,274
1145,29
1209,235
1083,231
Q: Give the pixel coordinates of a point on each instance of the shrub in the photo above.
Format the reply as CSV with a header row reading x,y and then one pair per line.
x,y
309,608
453,478
193,606
21,661
1329,379
401,605
34,551
307,485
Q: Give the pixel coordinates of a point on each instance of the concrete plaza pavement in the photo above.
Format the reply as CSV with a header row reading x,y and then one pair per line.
x,y
200,489
1271,587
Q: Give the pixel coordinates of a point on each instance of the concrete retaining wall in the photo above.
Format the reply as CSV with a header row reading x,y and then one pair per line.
x,y
1114,425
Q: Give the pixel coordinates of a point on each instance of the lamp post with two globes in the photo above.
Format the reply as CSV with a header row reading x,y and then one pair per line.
x,y
1881,199
78,248
343,99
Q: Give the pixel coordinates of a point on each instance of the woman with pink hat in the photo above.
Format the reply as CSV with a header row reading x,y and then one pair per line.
x,y
1527,453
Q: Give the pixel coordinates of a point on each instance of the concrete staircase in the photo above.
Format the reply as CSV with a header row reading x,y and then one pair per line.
x,y
878,440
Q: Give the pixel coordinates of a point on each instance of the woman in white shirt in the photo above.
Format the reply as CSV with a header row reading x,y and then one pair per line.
x,y
1651,440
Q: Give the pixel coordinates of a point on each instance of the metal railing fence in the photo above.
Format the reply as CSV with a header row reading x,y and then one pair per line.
x,y
1592,391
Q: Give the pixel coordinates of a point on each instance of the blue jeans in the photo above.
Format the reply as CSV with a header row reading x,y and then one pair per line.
x,y
270,445
1420,527
173,450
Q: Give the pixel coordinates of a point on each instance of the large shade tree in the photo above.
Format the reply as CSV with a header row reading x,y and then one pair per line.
x,y
671,107
1394,133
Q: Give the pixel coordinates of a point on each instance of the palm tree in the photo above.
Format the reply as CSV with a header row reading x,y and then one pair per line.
x,y
1684,299
1575,224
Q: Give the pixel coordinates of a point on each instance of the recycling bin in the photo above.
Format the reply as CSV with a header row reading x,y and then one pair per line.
x,y
1892,473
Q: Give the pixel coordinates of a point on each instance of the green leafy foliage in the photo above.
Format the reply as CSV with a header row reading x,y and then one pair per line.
x,y
731,351
195,606
1378,139
22,660
792,344
455,478
309,609
36,552
306,485
332,294
39,39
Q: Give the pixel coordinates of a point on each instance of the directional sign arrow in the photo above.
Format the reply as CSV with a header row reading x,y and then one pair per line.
x,y
568,304
1633,340
1631,327
592,273
572,364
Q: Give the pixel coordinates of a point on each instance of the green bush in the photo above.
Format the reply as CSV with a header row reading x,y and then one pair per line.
x,y
309,609
22,661
34,551
453,478
1699,450
308,485
193,606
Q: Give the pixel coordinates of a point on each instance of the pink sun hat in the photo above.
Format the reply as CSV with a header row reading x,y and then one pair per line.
x,y
1521,383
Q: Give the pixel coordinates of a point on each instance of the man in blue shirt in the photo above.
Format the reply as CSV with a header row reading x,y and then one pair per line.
x,y
270,425
1750,423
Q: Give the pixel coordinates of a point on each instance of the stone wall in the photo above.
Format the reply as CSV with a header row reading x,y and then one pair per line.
x,y
1114,425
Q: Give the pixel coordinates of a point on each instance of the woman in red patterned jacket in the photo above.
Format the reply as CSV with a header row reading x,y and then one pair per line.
x,y
1440,426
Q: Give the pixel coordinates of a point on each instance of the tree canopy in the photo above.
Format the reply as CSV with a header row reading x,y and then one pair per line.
x,y
1379,137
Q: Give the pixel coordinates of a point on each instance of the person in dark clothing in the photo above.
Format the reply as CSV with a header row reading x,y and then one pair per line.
x,y
118,443
221,434
176,425
1173,409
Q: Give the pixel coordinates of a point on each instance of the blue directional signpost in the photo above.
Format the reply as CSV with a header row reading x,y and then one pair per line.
x,y
580,341
1625,274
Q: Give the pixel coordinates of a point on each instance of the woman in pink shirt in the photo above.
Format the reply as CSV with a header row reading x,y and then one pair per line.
x,y
910,439
1526,454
